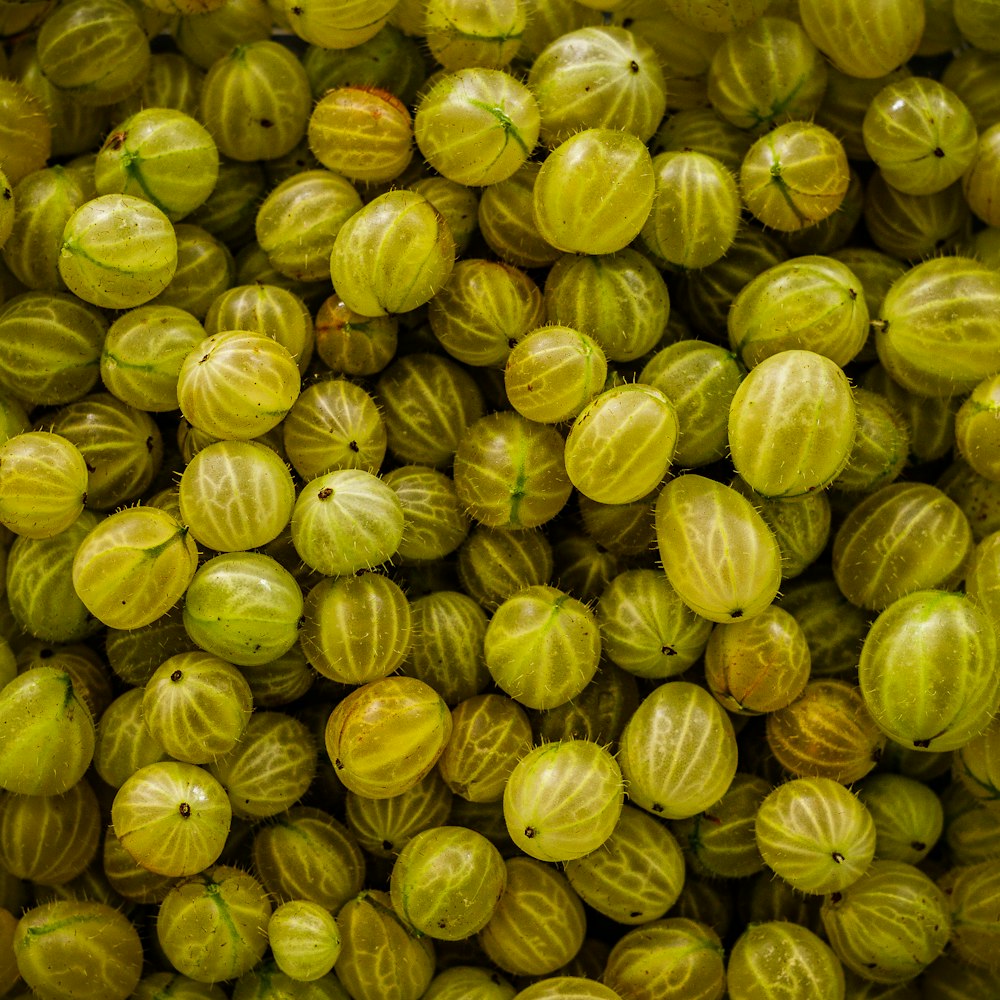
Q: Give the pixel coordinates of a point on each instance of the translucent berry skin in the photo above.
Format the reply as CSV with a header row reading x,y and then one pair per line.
x,y
677,958
621,444
162,155
677,730
55,942
696,210
447,881
107,270
928,670
899,539
510,472
938,336
780,951
346,521
920,135
523,945
767,74
477,126
255,101
598,77
813,303
362,133
542,646
134,566
977,426
779,399
47,737
393,255
794,176
890,924
583,781
759,665
213,925
717,551
594,192
815,834
863,38
365,736
172,818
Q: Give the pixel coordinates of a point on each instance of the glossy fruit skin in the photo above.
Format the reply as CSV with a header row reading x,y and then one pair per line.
x,y
362,736
172,818
794,176
54,941
586,782
815,834
950,649
696,517
577,214
890,924
477,126
677,727
621,444
367,268
937,339
781,397
447,881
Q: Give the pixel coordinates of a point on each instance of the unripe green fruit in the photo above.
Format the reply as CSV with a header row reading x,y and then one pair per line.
x,y
782,396
55,941
583,781
197,706
375,937
677,730
304,939
542,646
447,881
815,834
697,517
46,733
928,670
385,736
213,926
890,924
172,818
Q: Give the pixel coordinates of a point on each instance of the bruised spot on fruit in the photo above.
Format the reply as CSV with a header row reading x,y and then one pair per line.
x,y
325,493
338,764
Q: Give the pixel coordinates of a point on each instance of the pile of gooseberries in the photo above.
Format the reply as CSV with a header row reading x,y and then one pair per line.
x,y
499,499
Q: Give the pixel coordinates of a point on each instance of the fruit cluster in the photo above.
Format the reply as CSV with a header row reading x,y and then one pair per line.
x,y
499,498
